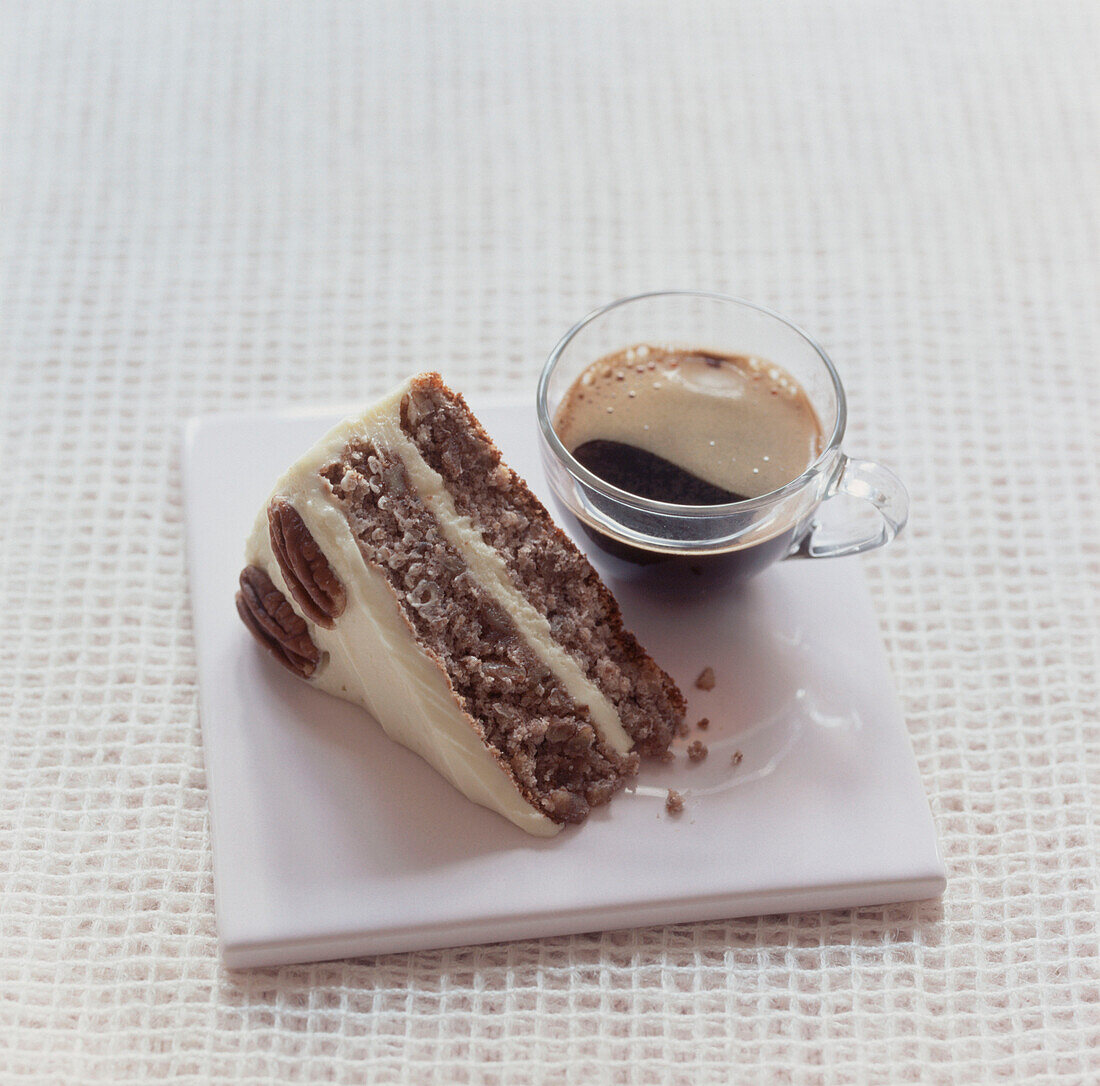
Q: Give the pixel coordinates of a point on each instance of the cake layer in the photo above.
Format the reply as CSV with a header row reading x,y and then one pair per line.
x,y
542,563
523,712
488,567
412,612
415,703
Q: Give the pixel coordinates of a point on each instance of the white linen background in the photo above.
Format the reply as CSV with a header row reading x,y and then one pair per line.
x,y
211,207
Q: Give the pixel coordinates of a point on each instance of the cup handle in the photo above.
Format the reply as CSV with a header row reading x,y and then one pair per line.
x,y
834,536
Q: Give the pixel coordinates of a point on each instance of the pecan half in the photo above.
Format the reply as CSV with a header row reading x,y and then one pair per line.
x,y
312,581
275,624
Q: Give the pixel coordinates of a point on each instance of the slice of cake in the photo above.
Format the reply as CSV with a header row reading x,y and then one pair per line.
x,y
401,565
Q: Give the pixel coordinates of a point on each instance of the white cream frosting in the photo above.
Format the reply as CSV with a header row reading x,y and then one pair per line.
x,y
371,656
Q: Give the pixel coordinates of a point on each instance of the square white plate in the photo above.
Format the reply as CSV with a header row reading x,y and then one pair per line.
x,y
332,841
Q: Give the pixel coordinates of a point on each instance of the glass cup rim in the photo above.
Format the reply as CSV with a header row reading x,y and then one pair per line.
x,y
650,505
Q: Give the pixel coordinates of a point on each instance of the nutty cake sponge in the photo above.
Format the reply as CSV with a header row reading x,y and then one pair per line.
x,y
401,565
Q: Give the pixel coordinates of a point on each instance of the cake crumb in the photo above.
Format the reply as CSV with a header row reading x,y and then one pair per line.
x,y
704,723
706,679
682,728
674,803
668,756
736,759
697,750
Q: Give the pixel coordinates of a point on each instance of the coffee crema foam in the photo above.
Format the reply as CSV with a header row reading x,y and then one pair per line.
x,y
740,426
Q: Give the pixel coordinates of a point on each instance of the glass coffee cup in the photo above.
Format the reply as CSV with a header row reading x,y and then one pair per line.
x,y
837,506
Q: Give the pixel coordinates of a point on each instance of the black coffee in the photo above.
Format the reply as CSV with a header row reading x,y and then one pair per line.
x,y
690,428
649,475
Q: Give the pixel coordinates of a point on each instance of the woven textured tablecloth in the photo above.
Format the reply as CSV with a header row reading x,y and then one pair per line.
x,y
209,207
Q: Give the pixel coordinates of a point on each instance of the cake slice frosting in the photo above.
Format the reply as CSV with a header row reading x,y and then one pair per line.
x,y
399,564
